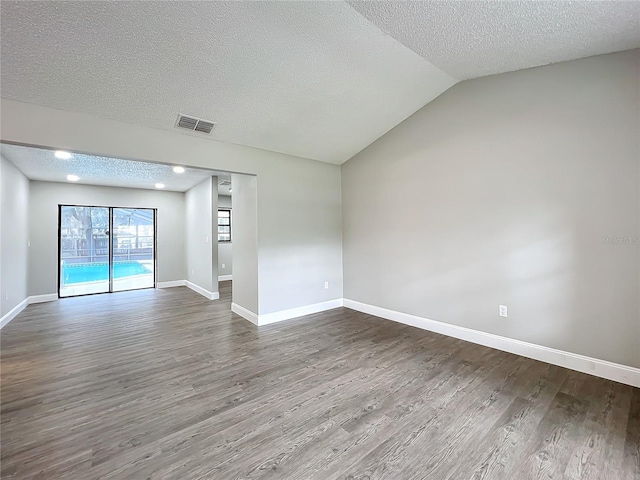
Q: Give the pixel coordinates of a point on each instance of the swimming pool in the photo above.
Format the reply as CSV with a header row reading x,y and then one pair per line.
x,y
95,272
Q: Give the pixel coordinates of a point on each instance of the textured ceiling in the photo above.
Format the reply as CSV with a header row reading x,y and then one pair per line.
x,y
312,79
320,80
41,164
469,39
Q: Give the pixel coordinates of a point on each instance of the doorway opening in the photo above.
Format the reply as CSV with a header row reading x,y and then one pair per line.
x,y
105,249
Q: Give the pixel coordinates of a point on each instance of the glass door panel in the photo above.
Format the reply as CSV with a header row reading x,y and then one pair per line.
x,y
133,242
84,250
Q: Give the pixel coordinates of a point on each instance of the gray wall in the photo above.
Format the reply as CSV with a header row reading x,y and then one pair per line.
x,y
245,242
299,236
225,249
14,234
43,221
224,201
299,213
201,239
502,191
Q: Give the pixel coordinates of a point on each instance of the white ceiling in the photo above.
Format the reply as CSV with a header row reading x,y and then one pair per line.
x,y
41,164
318,79
312,79
469,39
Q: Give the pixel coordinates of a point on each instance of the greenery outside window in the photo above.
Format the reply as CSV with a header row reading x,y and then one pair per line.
x,y
224,225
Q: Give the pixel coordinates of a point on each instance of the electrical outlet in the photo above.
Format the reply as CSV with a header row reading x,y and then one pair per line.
x,y
6,296
326,284
193,271
223,266
502,310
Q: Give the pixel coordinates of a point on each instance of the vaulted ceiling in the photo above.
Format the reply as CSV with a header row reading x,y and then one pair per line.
x,y
320,80
469,39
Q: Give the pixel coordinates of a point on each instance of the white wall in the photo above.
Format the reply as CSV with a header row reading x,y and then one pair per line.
x,y
225,249
201,238
501,191
245,277
299,213
43,220
14,234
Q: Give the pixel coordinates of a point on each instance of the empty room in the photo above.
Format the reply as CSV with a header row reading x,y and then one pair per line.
x,y
320,240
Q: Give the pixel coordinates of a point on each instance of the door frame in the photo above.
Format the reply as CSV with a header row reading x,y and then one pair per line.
x,y
110,242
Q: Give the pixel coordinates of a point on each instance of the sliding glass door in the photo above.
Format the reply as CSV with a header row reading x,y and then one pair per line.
x,y
84,250
133,248
104,249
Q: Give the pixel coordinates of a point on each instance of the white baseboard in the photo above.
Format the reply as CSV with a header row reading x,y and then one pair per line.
x,y
593,366
282,315
170,284
13,313
49,297
225,278
244,313
202,291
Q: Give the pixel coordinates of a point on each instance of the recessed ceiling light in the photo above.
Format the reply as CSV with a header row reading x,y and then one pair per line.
x,y
73,178
178,169
159,185
62,155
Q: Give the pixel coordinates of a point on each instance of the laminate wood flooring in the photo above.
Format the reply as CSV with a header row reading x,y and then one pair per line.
x,y
165,384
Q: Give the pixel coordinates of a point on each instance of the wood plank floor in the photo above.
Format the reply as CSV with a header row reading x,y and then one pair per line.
x,y
165,384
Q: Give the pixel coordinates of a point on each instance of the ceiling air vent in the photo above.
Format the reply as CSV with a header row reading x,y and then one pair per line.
x,y
194,124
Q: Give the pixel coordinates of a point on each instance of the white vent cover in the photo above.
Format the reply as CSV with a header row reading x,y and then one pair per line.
x,y
194,124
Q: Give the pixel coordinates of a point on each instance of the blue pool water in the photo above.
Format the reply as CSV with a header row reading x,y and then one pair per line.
x,y
94,272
